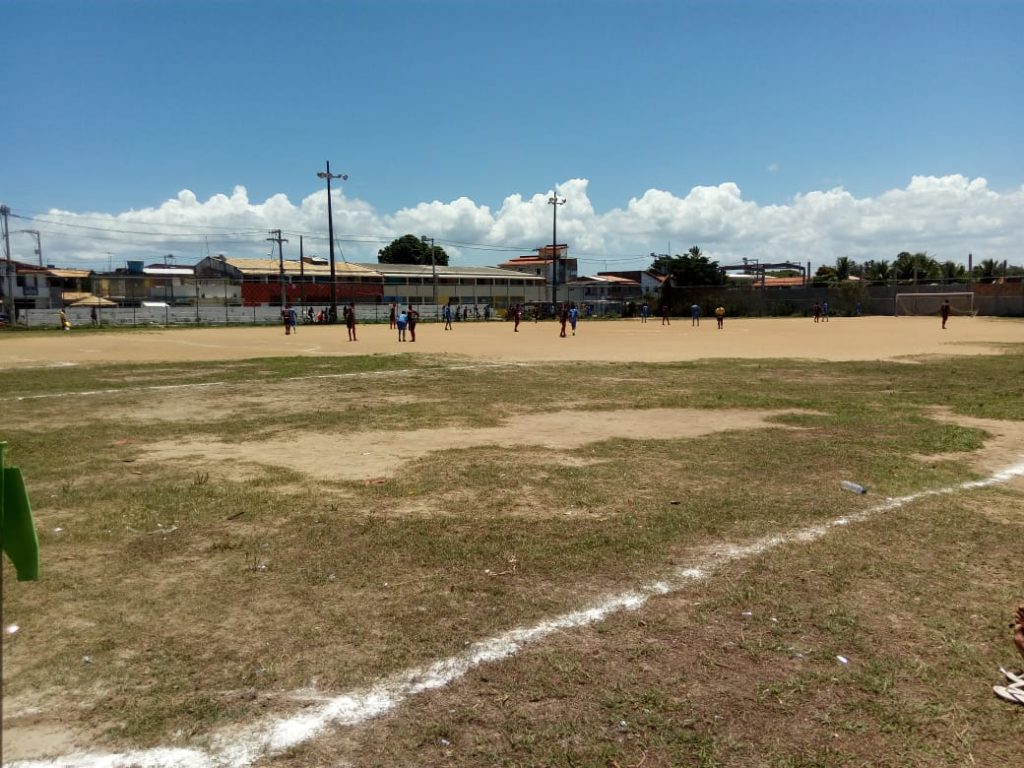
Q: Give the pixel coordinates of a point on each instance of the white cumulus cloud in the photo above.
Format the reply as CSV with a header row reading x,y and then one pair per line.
x,y
947,216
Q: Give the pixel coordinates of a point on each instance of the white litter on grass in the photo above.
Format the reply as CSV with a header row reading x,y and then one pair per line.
x,y
842,660
242,746
198,384
12,628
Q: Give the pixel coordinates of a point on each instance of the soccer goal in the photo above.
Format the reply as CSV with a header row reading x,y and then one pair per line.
x,y
960,303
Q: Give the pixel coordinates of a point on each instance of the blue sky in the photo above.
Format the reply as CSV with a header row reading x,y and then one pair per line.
x,y
804,130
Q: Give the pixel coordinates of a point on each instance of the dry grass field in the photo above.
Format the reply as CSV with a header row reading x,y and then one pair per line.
x,y
624,548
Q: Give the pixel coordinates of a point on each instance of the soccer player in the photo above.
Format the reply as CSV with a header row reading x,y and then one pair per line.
x,y
720,316
400,323
944,311
412,318
350,321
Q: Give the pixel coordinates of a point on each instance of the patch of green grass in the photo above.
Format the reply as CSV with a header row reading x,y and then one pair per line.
x,y
182,584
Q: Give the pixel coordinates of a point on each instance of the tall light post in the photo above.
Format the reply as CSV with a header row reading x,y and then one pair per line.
x,y
330,234
554,201
8,287
433,265
39,242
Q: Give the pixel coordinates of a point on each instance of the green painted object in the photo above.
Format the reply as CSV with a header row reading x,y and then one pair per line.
x,y
17,529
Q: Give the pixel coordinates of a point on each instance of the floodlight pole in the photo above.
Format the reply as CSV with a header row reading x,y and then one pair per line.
x,y
330,234
433,266
554,201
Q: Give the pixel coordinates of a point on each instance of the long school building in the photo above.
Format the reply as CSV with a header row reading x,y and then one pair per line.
x,y
269,282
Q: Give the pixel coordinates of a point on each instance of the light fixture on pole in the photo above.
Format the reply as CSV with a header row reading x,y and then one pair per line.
x,y
330,234
39,242
433,265
554,201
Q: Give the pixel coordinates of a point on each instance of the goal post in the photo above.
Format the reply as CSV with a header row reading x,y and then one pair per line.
x,y
911,304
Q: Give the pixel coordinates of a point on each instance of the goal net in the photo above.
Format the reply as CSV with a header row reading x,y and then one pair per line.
x,y
960,303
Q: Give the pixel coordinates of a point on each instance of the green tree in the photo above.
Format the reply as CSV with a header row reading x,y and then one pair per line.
x,y
845,266
953,272
877,270
987,270
409,249
826,274
916,266
692,268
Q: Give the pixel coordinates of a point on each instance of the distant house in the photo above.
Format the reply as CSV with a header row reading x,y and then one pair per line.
x,y
649,282
172,284
542,264
604,287
29,286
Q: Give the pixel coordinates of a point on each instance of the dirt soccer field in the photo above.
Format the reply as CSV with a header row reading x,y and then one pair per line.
x,y
862,338
630,547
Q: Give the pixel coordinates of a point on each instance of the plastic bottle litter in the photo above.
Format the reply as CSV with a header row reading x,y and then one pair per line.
x,y
842,660
846,485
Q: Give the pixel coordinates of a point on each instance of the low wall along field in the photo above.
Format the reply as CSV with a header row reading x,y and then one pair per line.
x,y
631,546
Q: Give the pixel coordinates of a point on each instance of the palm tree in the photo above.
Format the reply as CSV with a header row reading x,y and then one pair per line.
x,y
877,270
844,265
916,266
953,272
987,270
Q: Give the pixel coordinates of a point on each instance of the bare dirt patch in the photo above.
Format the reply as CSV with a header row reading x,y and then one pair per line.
x,y
860,338
371,454
1004,445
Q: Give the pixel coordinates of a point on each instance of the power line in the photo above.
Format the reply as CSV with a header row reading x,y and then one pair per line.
x,y
41,216
113,230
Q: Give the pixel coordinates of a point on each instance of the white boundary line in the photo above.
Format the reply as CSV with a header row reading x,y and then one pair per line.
x,y
242,746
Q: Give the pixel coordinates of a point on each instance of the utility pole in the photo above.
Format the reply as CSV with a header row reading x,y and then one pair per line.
x,y
280,256
39,242
554,201
433,265
330,234
8,266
